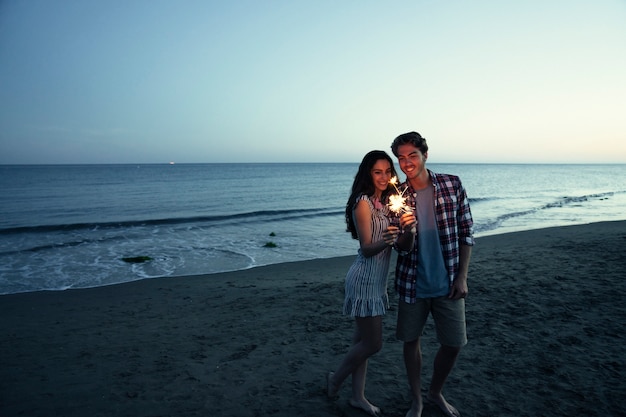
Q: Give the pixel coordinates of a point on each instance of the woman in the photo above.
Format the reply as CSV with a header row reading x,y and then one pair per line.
x,y
368,220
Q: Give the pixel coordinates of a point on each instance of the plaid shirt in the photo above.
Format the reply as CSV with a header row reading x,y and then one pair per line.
x,y
455,225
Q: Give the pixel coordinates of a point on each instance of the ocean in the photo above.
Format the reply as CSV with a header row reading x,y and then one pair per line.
x,y
70,226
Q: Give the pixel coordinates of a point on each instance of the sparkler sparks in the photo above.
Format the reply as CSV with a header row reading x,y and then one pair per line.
x,y
397,202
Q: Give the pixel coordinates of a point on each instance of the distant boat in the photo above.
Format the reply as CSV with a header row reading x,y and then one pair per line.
x,y
172,162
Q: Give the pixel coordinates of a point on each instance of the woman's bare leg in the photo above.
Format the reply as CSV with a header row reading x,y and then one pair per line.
x,y
367,341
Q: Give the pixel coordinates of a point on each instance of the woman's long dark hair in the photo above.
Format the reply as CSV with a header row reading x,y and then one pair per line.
x,y
363,184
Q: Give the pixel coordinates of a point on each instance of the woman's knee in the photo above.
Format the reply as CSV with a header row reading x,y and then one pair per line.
x,y
374,346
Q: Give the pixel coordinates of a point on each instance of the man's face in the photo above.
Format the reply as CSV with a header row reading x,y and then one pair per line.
x,y
411,160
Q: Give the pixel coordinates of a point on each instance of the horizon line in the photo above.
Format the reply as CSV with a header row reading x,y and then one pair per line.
x,y
300,163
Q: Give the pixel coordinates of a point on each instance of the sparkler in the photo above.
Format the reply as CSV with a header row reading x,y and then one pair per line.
x,y
397,202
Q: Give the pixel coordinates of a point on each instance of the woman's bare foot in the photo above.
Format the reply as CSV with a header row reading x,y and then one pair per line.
x,y
366,406
331,388
446,408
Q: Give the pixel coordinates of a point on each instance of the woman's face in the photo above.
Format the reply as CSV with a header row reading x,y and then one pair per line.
x,y
381,174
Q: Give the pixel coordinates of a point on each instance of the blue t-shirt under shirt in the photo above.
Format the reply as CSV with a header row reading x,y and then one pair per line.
x,y
432,276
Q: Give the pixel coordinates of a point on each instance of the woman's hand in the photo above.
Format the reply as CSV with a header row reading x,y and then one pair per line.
x,y
390,235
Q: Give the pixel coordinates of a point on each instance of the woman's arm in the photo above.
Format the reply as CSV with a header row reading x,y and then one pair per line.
x,y
363,223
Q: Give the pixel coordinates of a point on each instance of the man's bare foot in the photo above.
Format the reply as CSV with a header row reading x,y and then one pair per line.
x,y
446,408
416,409
366,406
331,389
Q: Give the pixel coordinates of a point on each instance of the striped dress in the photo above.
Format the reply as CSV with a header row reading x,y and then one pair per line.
x,y
366,280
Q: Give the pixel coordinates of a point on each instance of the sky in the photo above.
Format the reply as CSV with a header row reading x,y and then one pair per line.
x,y
151,81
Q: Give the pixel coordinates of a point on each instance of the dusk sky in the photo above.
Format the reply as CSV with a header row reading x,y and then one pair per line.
x,y
85,81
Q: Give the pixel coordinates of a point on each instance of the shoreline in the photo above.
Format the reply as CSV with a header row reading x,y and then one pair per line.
x,y
545,315
484,235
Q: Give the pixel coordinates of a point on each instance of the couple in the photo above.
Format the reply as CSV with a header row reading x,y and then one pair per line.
x,y
434,247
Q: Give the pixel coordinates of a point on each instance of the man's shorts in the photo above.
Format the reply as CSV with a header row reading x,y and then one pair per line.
x,y
448,314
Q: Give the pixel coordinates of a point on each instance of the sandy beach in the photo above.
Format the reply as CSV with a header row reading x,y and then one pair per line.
x,y
546,318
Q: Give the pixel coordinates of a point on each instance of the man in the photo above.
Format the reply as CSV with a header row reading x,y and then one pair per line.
x,y
432,277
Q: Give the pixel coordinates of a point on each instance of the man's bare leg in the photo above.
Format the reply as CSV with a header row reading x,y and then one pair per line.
x,y
413,363
444,362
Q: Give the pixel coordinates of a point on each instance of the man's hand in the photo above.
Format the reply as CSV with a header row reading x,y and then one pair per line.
x,y
459,288
408,222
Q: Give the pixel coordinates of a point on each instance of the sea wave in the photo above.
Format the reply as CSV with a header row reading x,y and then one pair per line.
x,y
473,200
497,222
249,217
577,199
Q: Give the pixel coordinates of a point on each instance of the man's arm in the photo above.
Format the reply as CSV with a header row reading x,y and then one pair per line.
x,y
459,286
405,241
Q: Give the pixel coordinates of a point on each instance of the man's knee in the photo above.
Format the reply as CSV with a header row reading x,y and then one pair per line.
x,y
450,350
